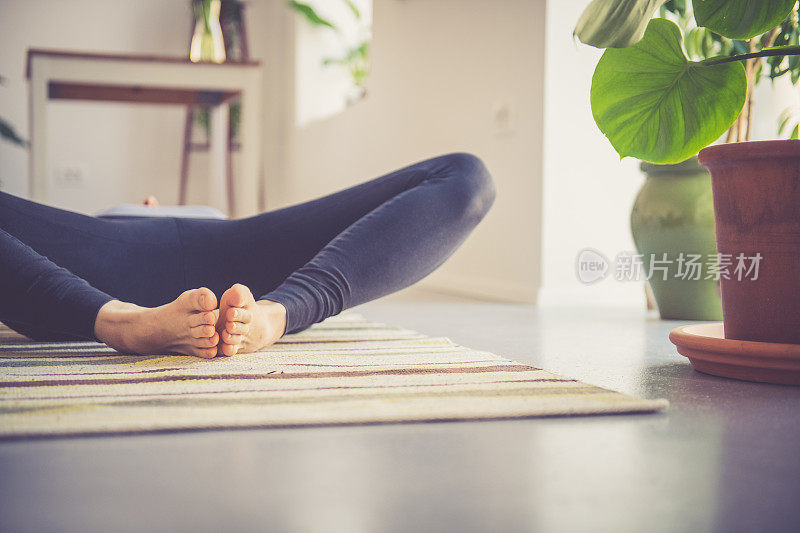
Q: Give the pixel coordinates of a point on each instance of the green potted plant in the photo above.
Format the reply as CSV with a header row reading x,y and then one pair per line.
x,y
672,222
654,103
673,212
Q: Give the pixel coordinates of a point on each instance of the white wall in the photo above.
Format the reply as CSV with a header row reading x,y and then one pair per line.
x,y
588,191
127,151
441,72
770,100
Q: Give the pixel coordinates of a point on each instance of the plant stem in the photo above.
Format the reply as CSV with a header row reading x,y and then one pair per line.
x,y
742,125
771,36
731,131
744,118
782,51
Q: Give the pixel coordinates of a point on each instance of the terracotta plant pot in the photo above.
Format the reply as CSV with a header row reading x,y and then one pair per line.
x,y
756,189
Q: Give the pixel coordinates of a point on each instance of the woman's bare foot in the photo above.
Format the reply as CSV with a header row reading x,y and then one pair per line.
x,y
185,325
150,201
246,325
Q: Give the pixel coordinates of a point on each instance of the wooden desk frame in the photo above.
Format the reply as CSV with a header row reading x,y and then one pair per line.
x,y
56,74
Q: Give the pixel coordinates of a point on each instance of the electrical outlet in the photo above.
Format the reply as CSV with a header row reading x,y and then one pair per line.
x,y
504,118
71,175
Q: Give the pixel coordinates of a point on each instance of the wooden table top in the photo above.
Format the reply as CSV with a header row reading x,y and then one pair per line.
x,y
58,90
73,54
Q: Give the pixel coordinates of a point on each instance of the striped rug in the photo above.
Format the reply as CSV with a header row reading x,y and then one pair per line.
x,y
344,371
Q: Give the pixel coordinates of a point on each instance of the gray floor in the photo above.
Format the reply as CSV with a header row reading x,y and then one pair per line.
x,y
725,457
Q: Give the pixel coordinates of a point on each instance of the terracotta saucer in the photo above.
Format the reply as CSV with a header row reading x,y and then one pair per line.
x,y
710,352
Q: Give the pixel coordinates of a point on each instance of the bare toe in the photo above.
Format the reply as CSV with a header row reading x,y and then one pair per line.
x,y
208,318
232,305
238,314
204,331
207,342
205,299
229,338
237,328
228,349
201,299
206,353
237,296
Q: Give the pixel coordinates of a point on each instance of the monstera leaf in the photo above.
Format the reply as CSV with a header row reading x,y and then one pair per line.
x,y
615,23
654,104
741,19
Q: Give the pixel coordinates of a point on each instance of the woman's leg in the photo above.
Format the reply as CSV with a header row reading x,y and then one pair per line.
x,y
48,302
38,297
393,244
318,258
63,276
306,262
135,260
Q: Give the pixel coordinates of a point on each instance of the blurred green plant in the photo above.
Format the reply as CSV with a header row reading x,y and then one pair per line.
x,y
310,14
7,131
355,58
789,123
655,103
356,61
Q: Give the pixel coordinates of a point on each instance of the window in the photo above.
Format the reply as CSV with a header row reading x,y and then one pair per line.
x,y
332,40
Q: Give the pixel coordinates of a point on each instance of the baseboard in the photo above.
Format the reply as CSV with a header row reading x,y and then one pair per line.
x,y
482,288
623,295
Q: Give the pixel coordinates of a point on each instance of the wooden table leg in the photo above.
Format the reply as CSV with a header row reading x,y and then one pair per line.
x,y
229,170
187,150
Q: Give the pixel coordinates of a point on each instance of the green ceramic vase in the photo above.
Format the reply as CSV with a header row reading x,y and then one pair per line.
x,y
674,214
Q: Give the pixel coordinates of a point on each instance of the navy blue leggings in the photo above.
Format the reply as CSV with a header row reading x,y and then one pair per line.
x,y
57,268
